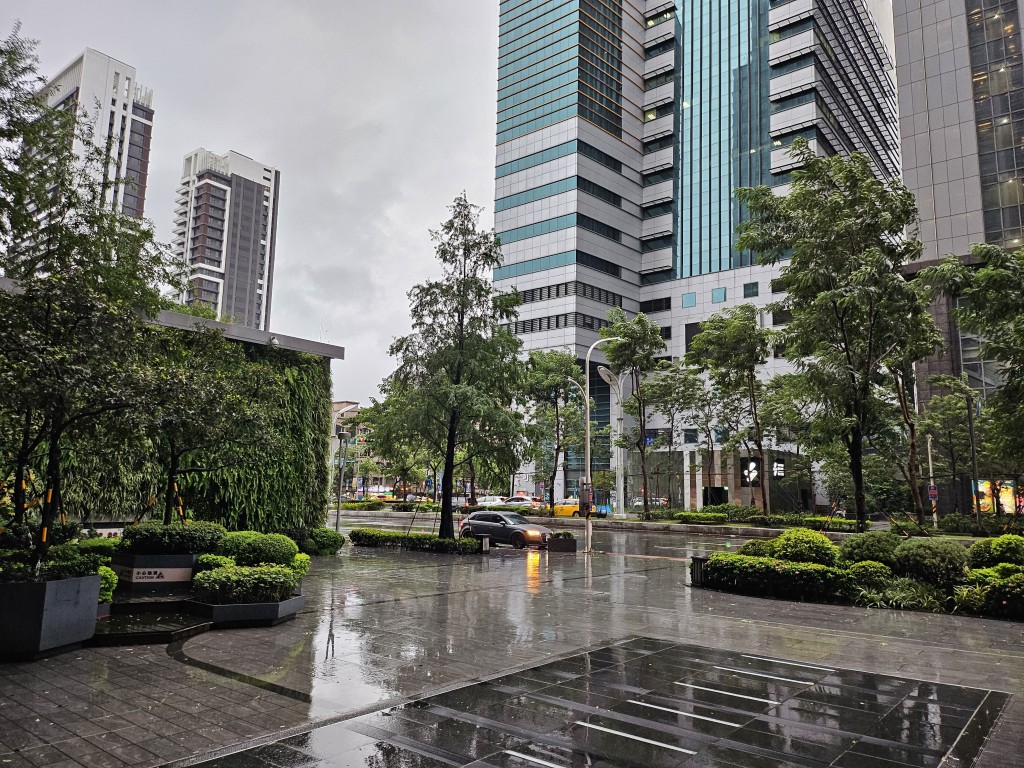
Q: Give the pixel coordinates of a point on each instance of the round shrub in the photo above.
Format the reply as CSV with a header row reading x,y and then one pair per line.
x,y
979,554
267,548
209,562
957,523
99,546
758,548
325,541
933,561
876,546
233,542
155,538
984,576
869,574
1006,598
108,583
802,546
1008,549
300,564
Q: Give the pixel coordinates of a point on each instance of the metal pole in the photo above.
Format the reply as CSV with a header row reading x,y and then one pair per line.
x,y
974,460
589,537
931,482
343,436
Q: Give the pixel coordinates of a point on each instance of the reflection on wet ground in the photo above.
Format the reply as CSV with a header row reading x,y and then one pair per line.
x,y
648,703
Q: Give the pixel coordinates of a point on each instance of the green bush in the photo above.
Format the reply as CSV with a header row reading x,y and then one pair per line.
x,y
985,576
878,546
991,525
702,518
768,577
154,538
1008,548
300,564
242,584
266,549
367,505
906,595
827,524
969,598
108,583
209,562
18,568
562,535
774,521
99,546
938,562
62,553
979,554
233,542
325,541
420,542
803,546
733,512
1005,599
758,548
868,574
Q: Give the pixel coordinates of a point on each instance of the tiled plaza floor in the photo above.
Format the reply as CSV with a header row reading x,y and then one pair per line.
x,y
383,630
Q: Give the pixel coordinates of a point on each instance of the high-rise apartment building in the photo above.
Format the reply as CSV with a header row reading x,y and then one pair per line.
x,y
624,128
121,114
225,228
961,87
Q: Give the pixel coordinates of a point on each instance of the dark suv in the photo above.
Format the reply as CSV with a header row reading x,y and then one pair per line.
x,y
504,528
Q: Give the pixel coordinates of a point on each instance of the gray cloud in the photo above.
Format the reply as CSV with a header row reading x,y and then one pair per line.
x,y
377,115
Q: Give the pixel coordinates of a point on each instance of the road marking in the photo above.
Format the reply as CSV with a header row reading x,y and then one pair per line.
x,y
636,738
684,714
536,760
790,663
761,674
726,693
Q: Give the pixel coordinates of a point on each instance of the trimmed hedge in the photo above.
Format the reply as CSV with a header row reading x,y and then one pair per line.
x,y
154,538
986,576
826,524
736,513
803,546
324,541
418,542
99,546
241,584
233,542
941,563
991,525
876,546
702,518
758,548
209,562
366,505
869,574
267,548
769,577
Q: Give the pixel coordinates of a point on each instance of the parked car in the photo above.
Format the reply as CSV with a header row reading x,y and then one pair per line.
x,y
490,501
528,502
504,528
638,501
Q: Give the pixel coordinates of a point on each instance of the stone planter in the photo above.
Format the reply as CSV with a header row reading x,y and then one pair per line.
x,y
697,566
153,573
103,610
561,545
47,617
248,614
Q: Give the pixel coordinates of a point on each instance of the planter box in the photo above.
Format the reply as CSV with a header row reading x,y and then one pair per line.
x,y
248,614
561,545
45,617
153,573
697,566
102,610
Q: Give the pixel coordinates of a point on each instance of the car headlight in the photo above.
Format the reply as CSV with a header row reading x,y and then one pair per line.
x,y
533,534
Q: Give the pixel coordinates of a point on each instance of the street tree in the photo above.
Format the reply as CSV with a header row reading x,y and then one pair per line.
x,y
840,234
635,354
673,392
458,377
556,410
731,348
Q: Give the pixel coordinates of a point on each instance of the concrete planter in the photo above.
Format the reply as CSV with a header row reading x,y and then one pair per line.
x,y
102,610
697,566
47,617
248,614
561,545
153,573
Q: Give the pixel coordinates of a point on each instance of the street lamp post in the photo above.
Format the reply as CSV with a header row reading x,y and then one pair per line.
x,y
620,470
343,436
586,502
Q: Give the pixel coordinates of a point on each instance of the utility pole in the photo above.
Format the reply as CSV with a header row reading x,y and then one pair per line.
x,y
974,459
931,484
343,436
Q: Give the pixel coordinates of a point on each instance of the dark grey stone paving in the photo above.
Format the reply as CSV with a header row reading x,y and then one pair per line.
x,y
383,629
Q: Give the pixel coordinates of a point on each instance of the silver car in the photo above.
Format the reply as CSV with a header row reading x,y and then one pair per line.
x,y
504,528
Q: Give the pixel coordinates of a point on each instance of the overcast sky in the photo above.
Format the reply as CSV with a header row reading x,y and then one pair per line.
x,y
376,113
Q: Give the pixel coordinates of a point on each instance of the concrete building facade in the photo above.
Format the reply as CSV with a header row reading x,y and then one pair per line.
x,y
120,113
624,128
225,229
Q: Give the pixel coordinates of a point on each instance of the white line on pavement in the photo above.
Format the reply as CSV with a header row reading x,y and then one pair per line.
x,y
536,760
684,714
762,674
636,738
726,693
790,663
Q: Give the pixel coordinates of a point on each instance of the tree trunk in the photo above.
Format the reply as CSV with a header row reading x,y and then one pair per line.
x,y
51,494
20,498
472,485
855,447
446,528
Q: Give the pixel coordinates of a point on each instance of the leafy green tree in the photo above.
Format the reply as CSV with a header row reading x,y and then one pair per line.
x,y
556,403
945,422
731,347
458,378
635,354
673,392
841,235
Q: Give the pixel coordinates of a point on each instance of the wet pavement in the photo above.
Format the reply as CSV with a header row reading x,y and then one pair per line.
x,y
525,658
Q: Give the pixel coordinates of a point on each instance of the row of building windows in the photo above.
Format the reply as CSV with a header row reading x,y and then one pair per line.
x,y
656,305
654,211
572,288
556,322
558,260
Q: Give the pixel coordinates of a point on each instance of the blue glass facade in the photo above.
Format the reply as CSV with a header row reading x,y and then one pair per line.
x,y
723,126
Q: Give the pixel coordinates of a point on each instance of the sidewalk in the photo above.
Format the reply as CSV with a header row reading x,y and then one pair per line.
x,y
383,628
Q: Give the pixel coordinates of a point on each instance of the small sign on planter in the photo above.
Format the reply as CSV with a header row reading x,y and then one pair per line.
x,y
152,573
